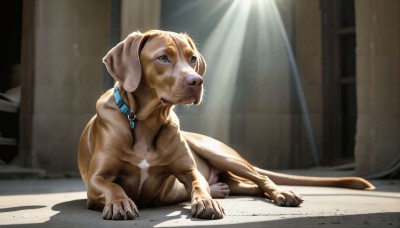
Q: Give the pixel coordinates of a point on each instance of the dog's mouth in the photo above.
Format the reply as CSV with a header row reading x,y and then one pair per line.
x,y
188,101
165,102
187,97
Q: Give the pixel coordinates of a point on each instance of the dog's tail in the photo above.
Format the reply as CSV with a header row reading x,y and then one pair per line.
x,y
216,152
343,182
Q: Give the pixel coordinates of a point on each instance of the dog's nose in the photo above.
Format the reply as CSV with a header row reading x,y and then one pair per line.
x,y
194,80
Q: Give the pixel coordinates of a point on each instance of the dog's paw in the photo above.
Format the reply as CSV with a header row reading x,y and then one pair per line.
x,y
120,210
287,198
219,190
207,208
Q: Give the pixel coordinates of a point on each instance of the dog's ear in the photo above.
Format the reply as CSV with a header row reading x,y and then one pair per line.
x,y
123,61
201,62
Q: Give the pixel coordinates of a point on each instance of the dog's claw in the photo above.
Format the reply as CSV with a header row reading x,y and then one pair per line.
x,y
129,215
120,210
207,209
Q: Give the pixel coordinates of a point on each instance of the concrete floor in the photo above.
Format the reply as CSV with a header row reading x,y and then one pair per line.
x,y
61,203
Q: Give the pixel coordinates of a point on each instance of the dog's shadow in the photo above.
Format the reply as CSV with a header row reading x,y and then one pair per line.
x,y
75,214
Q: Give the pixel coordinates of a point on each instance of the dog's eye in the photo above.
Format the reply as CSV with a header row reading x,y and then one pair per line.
x,y
193,59
163,59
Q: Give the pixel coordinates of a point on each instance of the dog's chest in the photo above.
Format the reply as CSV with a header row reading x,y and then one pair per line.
x,y
148,169
142,177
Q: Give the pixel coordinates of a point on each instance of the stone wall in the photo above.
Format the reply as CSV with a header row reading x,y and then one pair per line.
x,y
378,85
139,15
70,38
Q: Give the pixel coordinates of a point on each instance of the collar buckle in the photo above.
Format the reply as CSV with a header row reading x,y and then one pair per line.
x,y
132,119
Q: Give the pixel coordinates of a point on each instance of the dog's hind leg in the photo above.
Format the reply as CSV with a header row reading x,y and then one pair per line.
x,y
225,158
240,186
173,192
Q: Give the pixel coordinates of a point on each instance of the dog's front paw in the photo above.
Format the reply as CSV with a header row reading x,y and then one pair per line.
x,y
120,210
207,208
287,198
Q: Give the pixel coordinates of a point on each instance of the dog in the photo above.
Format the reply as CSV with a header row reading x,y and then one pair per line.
x,y
133,154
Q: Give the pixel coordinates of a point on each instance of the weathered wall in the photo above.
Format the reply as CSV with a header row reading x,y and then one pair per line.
x,y
139,15
70,39
378,85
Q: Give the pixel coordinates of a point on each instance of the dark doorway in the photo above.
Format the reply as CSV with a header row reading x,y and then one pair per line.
x,y
10,60
339,71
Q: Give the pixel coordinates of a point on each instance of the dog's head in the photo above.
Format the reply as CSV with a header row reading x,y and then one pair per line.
x,y
167,63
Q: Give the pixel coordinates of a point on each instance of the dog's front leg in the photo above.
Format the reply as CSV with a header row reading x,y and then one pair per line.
x,y
182,165
102,192
203,206
116,204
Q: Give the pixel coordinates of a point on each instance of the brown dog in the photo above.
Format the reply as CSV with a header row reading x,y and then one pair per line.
x,y
132,150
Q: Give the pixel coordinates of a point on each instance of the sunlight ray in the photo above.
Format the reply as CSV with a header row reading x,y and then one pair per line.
x,y
223,48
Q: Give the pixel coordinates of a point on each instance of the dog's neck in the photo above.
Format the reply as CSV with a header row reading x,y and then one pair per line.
x,y
151,115
145,103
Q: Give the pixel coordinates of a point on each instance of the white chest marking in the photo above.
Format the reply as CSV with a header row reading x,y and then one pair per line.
x,y
144,166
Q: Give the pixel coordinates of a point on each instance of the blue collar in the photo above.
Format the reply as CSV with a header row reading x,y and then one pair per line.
x,y
124,108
